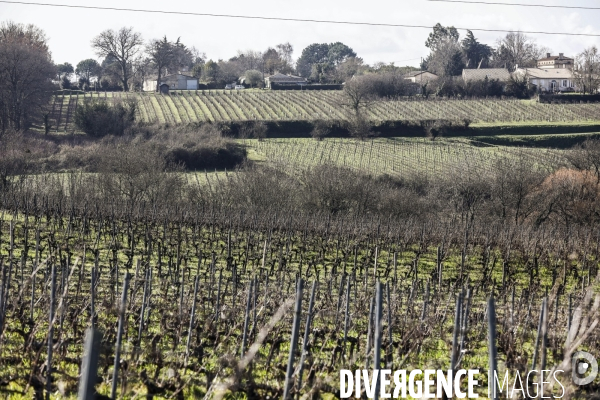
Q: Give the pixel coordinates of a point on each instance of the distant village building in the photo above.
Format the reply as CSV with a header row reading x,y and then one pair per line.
x,y
500,74
420,76
281,79
549,79
555,62
553,74
174,82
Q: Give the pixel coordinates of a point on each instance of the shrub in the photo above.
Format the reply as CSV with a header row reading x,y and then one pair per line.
x,y
440,127
200,157
83,84
253,78
519,87
98,118
359,126
437,129
137,171
197,147
321,129
247,129
13,157
65,83
259,130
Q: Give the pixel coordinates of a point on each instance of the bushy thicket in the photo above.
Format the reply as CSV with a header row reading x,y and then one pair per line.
x,y
441,127
457,87
376,86
20,154
97,118
511,190
200,148
188,148
384,85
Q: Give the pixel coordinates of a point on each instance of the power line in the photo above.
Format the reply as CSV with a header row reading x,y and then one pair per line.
x,y
286,19
516,4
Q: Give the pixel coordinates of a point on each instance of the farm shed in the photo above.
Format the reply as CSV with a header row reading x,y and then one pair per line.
x,y
549,80
500,74
175,82
420,76
281,79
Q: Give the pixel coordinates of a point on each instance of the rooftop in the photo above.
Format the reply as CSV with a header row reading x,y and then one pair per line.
x,y
282,77
550,73
550,57
187,76
501,74
417,73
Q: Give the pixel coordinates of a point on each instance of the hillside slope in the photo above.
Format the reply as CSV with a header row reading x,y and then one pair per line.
x,y
183,107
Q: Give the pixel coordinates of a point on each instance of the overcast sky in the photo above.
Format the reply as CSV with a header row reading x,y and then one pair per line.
x,y
70,30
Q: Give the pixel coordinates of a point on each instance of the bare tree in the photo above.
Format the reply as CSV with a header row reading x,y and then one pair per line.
x,y
358,93
357,98
285,51
249,59
515,182
272,61
122,45
587,70
26,71
142,67
586,157
253,77
167,56
517,49
162,53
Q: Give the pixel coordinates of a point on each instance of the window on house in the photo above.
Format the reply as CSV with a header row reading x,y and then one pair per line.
x,y
565,83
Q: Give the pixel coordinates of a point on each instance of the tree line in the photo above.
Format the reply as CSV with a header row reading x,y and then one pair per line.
x,y
128,60
449,55
28,74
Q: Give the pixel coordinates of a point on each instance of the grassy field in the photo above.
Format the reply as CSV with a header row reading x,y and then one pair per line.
x,y
184,107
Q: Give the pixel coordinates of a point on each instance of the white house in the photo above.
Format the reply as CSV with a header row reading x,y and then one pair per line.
x,y
549,79
175,82
559,61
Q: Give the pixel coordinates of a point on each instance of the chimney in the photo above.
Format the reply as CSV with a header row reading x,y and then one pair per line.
x,y
561,55
548,55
